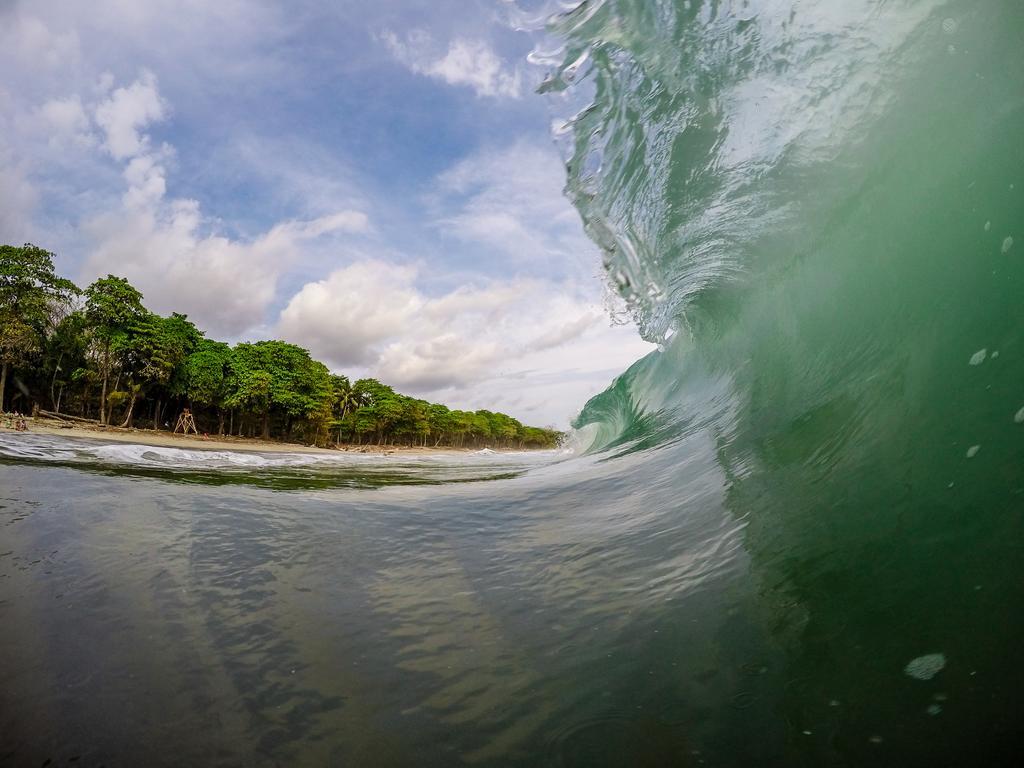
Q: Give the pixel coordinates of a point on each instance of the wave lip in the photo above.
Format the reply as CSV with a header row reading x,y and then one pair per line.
x,y
692,131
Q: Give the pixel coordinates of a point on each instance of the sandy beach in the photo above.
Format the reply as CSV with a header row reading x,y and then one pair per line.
x,y
214,443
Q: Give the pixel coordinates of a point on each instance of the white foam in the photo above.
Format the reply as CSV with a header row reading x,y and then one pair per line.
x,y
45,447
37,447
978,357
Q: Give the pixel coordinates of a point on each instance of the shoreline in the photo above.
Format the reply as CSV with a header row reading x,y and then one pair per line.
x,y
162,439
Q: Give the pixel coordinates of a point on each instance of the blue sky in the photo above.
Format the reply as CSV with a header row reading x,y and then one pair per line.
x,y
374,181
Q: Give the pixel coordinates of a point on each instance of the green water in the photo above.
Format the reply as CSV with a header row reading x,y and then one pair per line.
x,y
813,491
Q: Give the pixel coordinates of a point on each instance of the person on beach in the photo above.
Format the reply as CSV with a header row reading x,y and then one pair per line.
x,y
15,421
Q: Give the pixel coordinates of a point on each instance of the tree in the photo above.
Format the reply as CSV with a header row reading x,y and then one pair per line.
x,y
65,352
112,307
439,419
381,408
154,349
345,400
206,376
274,376
30,295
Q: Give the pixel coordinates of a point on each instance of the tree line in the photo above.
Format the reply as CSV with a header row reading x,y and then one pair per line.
x,y
100,354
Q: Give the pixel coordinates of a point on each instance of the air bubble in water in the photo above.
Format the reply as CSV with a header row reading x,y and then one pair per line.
x,y
1007,244
925,667
949,26
988,225
934,709
978,357
995,354
1019,416
973,451
951,50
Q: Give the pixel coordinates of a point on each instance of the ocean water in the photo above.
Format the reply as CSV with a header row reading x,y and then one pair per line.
x,y
793,536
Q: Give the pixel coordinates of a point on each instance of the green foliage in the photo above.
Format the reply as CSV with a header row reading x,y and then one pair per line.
x,y
112,306
66,350
205,377
157,347
31,297
271,385
29,288
112,309
277,378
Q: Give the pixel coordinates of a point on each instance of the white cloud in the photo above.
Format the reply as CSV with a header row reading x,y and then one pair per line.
x,y
164,246
564,333
344,316
507,201
126,112
462,347
224,284
466,62
18,198
65,119
27,39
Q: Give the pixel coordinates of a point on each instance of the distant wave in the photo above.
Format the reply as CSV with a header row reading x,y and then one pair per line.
x,y
273,468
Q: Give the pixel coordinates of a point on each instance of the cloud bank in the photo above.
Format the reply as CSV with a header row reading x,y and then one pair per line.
x,y
466,62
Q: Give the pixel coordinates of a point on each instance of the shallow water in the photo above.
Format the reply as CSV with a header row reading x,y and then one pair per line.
x,y
585,612
155,622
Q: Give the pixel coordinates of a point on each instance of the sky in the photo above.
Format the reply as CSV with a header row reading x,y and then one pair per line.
x,y
375,182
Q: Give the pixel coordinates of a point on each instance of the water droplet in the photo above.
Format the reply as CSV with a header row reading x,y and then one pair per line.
x,y
1007,244
1019,416
949,26
978,357
973,451
807,733
995,354
988,225
951,49
925,667
933,709
834,703
875,739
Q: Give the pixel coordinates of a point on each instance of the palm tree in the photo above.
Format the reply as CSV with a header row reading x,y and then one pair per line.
x,y
345,399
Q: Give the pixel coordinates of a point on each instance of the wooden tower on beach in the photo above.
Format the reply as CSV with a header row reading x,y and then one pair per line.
x,y
186,423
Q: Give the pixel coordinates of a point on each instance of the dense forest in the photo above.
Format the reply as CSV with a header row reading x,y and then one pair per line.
x,y
99,353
